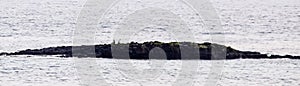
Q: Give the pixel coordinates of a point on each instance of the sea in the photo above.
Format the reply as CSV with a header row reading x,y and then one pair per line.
x,y
266,26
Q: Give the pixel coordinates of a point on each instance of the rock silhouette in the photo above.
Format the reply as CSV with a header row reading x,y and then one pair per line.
x,y
134,50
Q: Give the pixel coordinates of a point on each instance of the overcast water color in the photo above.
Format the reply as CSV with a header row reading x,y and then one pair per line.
x,y
267,26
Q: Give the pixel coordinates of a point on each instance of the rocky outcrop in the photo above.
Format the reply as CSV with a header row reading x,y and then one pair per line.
x,y
133,50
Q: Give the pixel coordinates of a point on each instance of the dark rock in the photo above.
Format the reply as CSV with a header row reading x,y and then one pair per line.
x,y
1,54
134,50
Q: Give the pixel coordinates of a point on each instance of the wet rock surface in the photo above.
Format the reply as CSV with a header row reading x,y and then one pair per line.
x,y
134,50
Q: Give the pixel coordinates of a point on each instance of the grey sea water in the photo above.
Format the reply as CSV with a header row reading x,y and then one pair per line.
x,y
49,71
267,26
